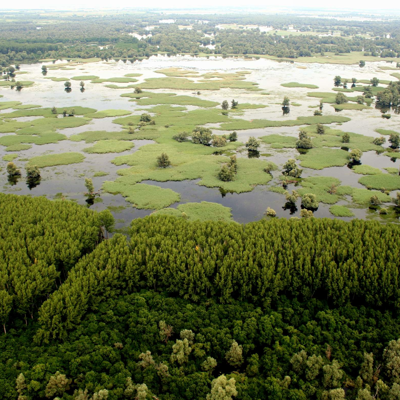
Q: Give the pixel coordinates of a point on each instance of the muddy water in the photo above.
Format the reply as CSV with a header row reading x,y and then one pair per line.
x,y
69,180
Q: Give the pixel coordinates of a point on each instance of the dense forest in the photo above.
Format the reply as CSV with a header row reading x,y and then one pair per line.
x,y
277,309
32,36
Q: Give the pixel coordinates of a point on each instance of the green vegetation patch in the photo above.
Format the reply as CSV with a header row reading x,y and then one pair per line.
x,y
241,124
321,186
324,158
381,181
44,138
366,170
55,79
85,78
10,157
8,104
99,174
18,147
150,98
280,141
392,170
143,196
363,196
109,146
133,75
341,211
115,80
10,83
51,160
94,136
299,85
108,113
26,106
386,132
204,211
350,106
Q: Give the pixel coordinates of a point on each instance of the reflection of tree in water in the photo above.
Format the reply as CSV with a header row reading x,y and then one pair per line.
x,y
33,182
253,154
89,201
285,110
13,179
224,192
291,207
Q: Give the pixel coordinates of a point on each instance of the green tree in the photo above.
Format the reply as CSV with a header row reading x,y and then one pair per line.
x,y
6,301
146,360
292,198
202,136
346,138
337,81
21,386
226,174
355,155
374,81
12,169
57,385
270,212
320,129
374,201
313,367
138,90
290,168
341,98
304,141
233,137
209,364
181,137
234,356
298,361
394,140
392,361
332,375
362,63
360,99
54,111
163,161
225,105
286,102
180,351
234,104
367,368
32,172
222,389
309,201
252,144
218,141
106,221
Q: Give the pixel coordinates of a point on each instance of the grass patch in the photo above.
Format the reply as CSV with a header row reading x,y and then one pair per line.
x,y
51,160
85,78
324,158
320,186
241,124
26,106
8,104
55,79
99,173
363,196
392,170
9,83
133,75
386,181
115,80
18,147
44,138
341,211
94,136
108,113
109,146
299,85
280,141
10,157
143,196
386,132
366,170
349,106
204,211
150,98
396,75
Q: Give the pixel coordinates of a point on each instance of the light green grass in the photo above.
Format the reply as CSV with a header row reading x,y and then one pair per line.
x,y
18,147
55,79
8,104
99,174
396,75
386,132
324,158
44,138
10,157
109,146
363,196
26,106
392,154
150,98
366,170
133,75
51,160
280,141
392,170
108,113
350,106
9,83
204,211
85,78
143,196
320,186
299,85
115,80
241,124
386,181
94,136
341,211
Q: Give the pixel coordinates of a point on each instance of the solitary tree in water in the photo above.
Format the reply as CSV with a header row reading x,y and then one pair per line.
x,y
286,102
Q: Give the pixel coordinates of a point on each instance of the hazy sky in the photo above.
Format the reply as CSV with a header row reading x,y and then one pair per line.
x,y
359,5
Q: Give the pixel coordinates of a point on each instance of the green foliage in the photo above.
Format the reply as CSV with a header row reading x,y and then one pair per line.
x,y
291,169
304,141
252,144
355,155
51,160
341,211
309,201
201,136
109,146
341,98
163,161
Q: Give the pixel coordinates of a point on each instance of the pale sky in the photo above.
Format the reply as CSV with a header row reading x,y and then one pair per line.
x,y
355,5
